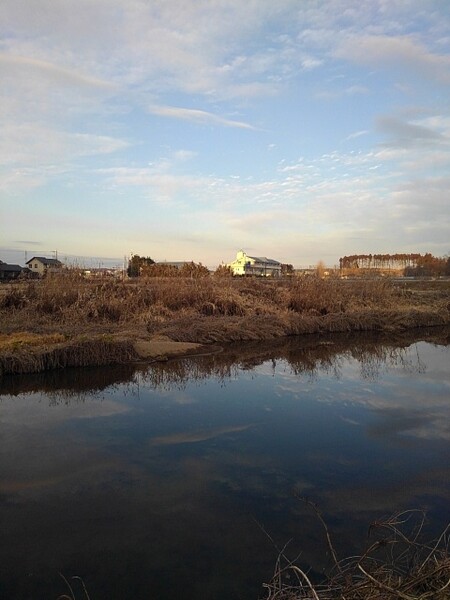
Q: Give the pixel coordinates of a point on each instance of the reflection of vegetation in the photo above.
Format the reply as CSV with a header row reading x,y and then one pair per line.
x,y
395,565
68,383
306,356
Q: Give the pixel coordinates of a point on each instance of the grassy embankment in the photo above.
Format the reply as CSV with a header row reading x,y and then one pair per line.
x,y
65,321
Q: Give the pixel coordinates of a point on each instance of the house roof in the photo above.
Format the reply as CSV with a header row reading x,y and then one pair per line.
x,y
10,268
264,259
48,262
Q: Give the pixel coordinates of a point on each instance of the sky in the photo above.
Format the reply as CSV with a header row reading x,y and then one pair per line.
x,y
300,130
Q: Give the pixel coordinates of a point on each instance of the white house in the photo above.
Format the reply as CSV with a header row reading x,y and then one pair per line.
x,y
255,265
40,264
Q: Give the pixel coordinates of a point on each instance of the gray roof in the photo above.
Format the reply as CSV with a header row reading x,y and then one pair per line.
x,y
10,268
48,262
264,259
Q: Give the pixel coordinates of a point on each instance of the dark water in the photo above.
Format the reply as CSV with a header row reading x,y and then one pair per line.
x,y
178,480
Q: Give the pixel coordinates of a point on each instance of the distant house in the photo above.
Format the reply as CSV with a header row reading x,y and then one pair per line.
x,y
42,265
260,266
11,272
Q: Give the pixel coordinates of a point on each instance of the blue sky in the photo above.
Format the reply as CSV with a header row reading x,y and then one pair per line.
x,y
303,130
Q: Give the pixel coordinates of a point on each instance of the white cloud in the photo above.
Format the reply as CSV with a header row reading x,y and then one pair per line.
x,y
14,64
197,116
33,144
96,78
403,51
405,134
357,134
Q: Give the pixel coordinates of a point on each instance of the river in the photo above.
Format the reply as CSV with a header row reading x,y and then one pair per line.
x,y
184,479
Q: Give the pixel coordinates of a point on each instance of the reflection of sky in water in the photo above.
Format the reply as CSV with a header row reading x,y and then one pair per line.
x,y
141,489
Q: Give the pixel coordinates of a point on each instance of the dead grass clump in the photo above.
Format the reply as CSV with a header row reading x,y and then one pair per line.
x,y
324,296
96,351
180,294
396,565
208,330
17,340
13,299
314,295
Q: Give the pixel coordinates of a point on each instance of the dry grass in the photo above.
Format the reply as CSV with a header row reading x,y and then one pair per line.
x,y
71,591
396,565
206,310
73,301
23,338
80,352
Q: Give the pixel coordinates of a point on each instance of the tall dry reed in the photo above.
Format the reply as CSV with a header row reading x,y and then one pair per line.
x,y
289,306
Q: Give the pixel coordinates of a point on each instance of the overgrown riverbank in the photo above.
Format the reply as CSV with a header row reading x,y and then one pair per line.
x,y
67,321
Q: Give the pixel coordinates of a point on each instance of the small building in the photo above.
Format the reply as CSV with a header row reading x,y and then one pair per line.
x,y
41,265
260,266
11,272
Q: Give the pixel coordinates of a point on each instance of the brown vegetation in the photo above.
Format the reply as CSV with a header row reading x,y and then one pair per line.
x,y
396,565
97,319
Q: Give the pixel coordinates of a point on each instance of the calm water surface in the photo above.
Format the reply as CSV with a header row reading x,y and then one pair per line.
x,y
177,480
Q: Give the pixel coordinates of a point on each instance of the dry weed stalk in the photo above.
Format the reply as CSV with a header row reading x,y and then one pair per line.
x,y
397,565
71,590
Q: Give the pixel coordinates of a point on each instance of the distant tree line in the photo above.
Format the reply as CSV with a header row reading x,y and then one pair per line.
x,y
409,264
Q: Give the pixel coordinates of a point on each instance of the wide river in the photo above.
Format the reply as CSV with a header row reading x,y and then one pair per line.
x,y
182,480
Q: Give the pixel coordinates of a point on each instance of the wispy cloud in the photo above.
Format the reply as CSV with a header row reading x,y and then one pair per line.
x,y
356,134
197,116
28,242
28,143
339,93
45,68
404,51
405,134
